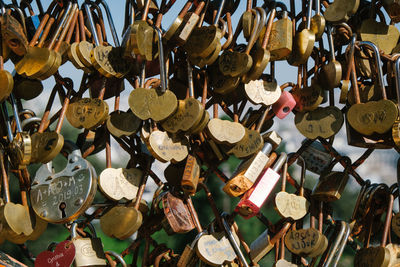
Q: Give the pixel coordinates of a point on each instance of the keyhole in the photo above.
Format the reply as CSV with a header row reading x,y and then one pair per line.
x,y
62,208
286,109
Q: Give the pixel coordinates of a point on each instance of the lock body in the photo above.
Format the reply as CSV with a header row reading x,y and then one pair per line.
x,y
89,252
284,105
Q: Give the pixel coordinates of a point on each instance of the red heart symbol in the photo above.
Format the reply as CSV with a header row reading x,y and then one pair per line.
x,y
63,256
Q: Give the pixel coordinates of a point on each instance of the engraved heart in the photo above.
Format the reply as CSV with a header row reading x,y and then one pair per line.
x,y
291,205
46,146
122,123
201,39
224,131
323,122
250,144
149,103
165,149
120,183
308,98
189,114
234,63
215,249
63,255
372,117
303,241
87,113
262,92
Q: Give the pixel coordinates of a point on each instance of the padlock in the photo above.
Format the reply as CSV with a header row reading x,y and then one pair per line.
x,y
316,157
232,239
188,254
281,39
332,183
340,232
248,172
177,216
285,104
377,255
191,175
89,250
251,202
264,244
61,197
291,205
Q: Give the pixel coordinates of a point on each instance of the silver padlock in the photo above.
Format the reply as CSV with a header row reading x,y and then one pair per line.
x,y
62,197
88,251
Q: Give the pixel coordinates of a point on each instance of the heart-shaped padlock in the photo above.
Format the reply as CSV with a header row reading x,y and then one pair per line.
x,y
61,197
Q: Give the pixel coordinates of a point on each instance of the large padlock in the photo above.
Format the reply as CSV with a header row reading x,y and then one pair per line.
x,y
61,197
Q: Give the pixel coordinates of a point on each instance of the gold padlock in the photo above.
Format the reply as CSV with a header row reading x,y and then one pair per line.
x,y
332,183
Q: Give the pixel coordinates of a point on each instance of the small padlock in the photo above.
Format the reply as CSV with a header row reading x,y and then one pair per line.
x,y
89,251
178,218
285,104
332,183
248,172
281,39
317,158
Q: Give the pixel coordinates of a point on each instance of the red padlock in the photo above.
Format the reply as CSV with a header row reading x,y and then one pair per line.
x,y
250,204
285,103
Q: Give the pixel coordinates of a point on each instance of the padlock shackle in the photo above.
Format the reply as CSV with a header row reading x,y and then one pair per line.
x,y
279,162
117,256
21,15
397,78
16,113
378,61
219,12
161,58
110,22
91,23
6,118
338,241
303,171
232,240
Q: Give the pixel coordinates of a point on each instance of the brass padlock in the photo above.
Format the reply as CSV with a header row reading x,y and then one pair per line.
x,y
332,183
89,251
281,38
